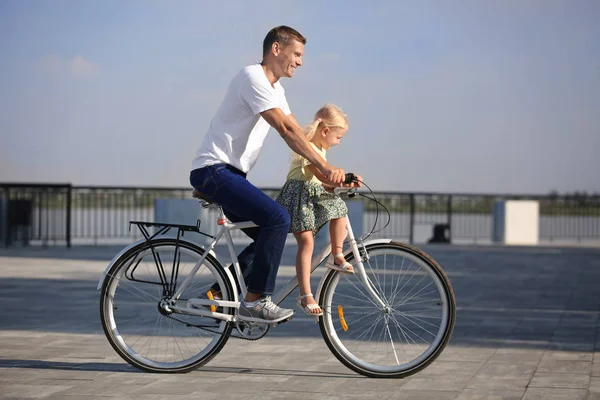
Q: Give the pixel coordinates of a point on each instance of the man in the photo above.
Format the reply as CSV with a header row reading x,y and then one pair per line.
x,y
254,102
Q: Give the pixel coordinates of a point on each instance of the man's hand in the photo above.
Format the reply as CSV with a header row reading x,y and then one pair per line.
x,y
334,175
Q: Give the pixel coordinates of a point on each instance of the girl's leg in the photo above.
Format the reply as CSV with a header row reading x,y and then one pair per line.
x,y
303,259
337,231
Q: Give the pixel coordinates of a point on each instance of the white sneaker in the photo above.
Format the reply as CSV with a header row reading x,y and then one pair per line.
x,y
264,311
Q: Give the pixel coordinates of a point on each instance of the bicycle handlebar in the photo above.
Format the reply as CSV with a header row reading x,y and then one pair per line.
x,y
350,177
350,192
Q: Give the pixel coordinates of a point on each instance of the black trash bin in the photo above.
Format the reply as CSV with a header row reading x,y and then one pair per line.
x,y
18,221
441,234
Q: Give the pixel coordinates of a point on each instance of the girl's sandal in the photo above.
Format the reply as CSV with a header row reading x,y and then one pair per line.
x,y
309,307
344,267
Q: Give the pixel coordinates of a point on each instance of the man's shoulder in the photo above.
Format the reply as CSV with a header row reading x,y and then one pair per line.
x,y
248,76
250,72
255,74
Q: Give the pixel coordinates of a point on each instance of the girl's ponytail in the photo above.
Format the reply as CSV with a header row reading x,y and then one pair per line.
x,y
311,129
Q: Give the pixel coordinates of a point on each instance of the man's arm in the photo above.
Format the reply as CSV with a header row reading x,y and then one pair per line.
x,y
327,183
291,116
291,132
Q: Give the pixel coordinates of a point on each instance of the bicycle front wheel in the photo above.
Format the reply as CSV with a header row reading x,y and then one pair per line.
x,y
140,330
402,337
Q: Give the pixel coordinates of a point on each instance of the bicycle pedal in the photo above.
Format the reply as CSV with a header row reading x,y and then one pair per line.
x,y
282,322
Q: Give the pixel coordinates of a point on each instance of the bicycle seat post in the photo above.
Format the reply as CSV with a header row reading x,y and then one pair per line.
x,y
222,217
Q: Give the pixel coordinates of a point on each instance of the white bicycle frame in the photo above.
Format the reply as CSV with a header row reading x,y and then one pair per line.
x,y
281,294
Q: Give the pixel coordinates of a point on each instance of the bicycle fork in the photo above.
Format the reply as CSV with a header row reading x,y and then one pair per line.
x,y
359,267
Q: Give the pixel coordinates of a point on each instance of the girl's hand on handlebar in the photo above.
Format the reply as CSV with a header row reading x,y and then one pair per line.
x,y
358,182
355,183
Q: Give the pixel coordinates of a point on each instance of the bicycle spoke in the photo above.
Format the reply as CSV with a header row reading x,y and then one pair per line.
x,y
146,297
356,299
409,330
392,343
376,277
355,321
398,326
400,334
403,286
419,317
414,295
418,302
394,291
359,290
418,325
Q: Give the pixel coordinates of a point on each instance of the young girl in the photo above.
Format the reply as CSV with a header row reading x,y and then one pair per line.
x,y
307,196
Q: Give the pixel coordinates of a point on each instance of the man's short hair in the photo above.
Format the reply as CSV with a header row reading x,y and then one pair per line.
x,y
284,35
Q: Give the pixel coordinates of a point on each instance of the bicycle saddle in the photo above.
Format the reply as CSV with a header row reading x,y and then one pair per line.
x,y
200,196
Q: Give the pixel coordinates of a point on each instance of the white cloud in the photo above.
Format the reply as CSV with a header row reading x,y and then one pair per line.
x,y
82,68
76,67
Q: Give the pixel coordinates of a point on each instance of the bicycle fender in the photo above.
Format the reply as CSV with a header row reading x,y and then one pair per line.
x,y
114,259
374,241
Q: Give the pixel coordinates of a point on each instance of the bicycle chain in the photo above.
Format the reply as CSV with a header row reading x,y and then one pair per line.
x,y
211,331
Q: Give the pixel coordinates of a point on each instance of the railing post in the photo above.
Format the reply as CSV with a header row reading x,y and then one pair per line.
x,y
68,230
449,216
6,230
412,218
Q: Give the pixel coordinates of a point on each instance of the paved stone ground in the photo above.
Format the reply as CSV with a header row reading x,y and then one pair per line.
x,y
527,328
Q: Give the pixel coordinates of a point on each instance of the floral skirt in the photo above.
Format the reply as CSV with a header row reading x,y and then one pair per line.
x,y
310,205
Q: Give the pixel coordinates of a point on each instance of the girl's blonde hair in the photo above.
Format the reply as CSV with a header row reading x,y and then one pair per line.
x,y
328,116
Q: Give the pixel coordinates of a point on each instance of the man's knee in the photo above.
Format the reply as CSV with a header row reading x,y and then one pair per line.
x,y
279,217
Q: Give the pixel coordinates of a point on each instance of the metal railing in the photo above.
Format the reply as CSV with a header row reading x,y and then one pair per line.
x,y
101,214
35,212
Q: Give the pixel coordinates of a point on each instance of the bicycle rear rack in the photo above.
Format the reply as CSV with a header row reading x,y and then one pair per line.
x,y
169,285
165,227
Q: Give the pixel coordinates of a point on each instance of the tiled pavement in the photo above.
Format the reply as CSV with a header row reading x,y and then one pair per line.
x,y
527,328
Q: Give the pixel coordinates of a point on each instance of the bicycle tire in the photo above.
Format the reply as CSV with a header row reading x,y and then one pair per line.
x,y
340,347
107,307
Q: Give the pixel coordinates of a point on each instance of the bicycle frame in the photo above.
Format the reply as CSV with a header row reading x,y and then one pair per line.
x,y
225,231
278,296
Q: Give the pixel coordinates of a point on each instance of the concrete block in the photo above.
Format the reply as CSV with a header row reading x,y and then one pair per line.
x,y
516,222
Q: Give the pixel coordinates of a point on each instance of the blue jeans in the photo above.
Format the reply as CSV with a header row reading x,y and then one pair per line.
x,y
242,201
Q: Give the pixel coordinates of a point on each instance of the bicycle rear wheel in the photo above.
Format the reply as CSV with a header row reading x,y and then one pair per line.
x,y
407,334
139,329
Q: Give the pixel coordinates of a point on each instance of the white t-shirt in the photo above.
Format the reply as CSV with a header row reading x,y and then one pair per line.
x,y
237,131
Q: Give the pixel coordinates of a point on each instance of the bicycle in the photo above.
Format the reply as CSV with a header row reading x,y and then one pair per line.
x,y
408,309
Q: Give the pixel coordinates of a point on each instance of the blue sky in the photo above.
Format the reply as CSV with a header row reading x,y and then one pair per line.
x,y
461,96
